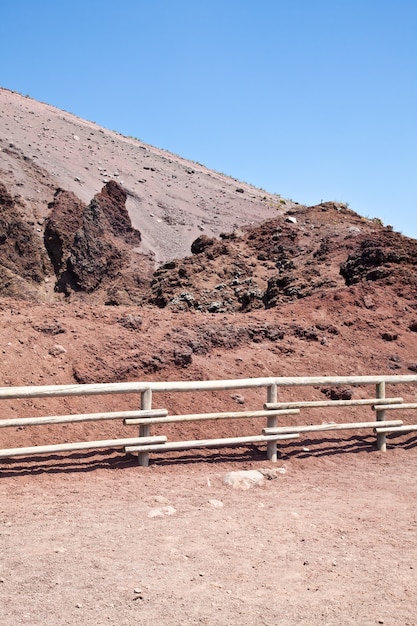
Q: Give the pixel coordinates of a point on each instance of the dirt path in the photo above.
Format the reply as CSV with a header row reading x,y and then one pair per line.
x,y
330,541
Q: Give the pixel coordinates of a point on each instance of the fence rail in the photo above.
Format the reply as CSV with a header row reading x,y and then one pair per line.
x,y
147,416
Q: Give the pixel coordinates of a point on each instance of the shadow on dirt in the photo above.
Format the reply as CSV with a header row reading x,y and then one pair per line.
x,y
113,460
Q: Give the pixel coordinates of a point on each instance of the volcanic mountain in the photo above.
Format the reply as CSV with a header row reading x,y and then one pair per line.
x,y
119,261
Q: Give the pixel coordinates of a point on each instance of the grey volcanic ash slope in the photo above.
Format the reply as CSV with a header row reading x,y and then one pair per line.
x,y
169,199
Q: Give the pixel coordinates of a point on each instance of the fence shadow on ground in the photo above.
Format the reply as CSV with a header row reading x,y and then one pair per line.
x,y
79,462
113,460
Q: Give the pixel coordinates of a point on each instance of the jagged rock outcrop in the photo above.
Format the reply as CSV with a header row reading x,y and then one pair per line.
x,y
64,221
23,262
323,248
91,246
382,257
88,247
93,249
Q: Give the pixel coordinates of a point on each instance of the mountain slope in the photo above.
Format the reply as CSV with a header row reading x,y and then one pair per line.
x,y
169,199
87,216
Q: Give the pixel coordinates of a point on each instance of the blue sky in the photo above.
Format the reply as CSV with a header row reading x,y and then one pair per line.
x,y
312,99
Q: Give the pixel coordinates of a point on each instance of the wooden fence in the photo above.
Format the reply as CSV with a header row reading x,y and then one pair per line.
x,y
271,411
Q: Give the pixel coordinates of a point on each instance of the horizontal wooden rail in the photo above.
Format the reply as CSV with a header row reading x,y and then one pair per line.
x,y
398,429
212,385
53,391
282,381
84,417
209,443
329,403
330,426
83,445
197,417
393,407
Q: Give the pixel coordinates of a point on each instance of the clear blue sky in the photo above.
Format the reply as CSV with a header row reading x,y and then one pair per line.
x,y
312,99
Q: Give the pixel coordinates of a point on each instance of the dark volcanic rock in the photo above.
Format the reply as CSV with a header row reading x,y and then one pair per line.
x,y
201,244
381,257
111,202
65,219
337,393
96,252
93,253
88,244
260,266
22,258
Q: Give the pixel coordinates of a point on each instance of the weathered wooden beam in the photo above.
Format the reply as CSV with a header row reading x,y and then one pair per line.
x,y
53,391
398,429
272,421
82,445
135,387
284,381
310,404
83,417
197,417
325,427
145,429
210,443
381,443
394,407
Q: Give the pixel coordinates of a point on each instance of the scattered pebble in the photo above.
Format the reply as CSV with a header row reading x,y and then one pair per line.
x,y
161,511
217,504
244,479
56,350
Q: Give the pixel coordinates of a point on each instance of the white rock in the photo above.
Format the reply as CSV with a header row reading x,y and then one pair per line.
x,y
244,479
56,350
217,504
161,499
273,473
291,219
161,511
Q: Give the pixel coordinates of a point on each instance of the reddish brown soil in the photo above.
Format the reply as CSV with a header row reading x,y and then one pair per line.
x,y
332,540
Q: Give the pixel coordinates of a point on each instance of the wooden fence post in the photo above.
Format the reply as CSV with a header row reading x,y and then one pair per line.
x,y
272,422
145,430
381,442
